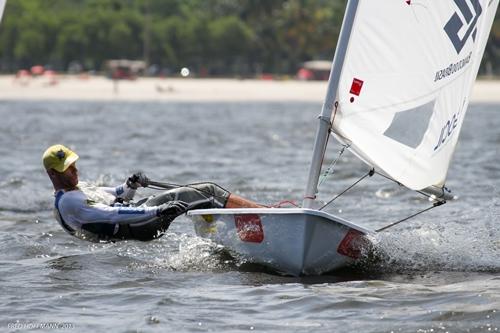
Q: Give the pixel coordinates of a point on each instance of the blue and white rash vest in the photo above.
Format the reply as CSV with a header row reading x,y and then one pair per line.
x,y
92,204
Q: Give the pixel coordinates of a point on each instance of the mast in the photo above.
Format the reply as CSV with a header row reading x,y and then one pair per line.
x,y
326,113
146,46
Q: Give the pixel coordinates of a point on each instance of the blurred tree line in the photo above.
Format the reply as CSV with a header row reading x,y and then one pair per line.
x,y
214,37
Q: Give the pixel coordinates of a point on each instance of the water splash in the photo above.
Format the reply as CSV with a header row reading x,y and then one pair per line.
x,y
454,246
177,252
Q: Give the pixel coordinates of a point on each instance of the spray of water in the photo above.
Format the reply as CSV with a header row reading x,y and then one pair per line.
x,y
177,252
471,243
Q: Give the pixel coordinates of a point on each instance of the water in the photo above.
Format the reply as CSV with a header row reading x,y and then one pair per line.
x,y
439,272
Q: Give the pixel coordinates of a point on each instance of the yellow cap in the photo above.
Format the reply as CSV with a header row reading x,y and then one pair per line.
x,y
59,158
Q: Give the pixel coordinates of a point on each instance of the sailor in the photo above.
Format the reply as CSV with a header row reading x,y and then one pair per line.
x,y
109,213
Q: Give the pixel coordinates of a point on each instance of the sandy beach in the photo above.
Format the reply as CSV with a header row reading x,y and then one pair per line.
x,y
184,89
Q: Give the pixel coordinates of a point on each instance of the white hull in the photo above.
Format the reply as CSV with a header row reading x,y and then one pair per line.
x,y
292,241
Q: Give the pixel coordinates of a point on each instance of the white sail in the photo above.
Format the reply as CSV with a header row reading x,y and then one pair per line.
x,y
405,83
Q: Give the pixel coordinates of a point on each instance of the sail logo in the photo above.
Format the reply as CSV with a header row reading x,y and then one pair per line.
x,y
447,130
455,25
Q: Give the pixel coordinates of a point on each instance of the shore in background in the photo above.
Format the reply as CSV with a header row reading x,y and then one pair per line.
x,y
184,89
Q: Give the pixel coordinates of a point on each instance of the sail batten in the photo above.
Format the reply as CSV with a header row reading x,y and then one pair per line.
x,y
405,84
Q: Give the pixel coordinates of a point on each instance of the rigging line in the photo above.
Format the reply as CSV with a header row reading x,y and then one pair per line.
x,y
334,114
419,192
436,204
283,202
369,173
332,130
329,170
389,178
329,121
431,196
327,139
330,127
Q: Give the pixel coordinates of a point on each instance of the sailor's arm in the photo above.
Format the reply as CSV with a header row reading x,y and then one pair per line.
x,y
75,207
123,191
126,191
100,213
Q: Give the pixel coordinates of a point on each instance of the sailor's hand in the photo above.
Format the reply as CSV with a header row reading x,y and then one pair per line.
x,y
172,208
137,180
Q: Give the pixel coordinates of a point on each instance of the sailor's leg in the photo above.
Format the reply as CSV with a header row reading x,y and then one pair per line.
x,y
219,198
235,201
191,194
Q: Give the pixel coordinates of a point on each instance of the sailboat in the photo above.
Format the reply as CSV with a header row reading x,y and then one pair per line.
x,y
397,95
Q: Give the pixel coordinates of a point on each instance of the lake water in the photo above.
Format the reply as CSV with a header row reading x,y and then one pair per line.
x,y
440,272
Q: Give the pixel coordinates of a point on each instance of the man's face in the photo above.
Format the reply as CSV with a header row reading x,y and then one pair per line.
x,y
71,174
69,178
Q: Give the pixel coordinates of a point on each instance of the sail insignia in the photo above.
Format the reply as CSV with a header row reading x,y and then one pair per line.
x,y
455,24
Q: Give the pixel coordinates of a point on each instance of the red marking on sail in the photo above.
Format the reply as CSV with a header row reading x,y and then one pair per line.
x,y
408,2
249,228
356,86
352,244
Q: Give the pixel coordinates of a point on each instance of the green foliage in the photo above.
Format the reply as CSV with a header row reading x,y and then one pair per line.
x,y
227,37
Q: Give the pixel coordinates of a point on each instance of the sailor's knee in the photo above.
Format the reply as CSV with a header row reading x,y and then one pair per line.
x,y
211,188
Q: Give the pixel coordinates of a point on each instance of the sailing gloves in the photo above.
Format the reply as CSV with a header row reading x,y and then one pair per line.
x,y
137,180
172,209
